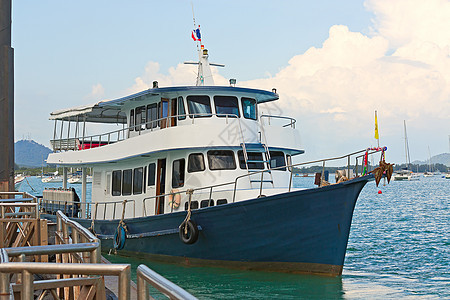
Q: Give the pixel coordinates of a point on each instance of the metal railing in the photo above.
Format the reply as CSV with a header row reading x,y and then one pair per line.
x,y
291,122
145,276
98,140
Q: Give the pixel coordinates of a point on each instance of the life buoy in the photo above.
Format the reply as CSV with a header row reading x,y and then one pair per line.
x,y
174,198
188,232
120,237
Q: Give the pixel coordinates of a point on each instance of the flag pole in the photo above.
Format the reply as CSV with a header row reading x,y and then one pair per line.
x,y
377,137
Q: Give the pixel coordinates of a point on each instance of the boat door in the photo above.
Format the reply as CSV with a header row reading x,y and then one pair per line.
x,y
168,109
160,186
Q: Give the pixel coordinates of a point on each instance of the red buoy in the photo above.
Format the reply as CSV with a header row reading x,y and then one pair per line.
x,y
379,192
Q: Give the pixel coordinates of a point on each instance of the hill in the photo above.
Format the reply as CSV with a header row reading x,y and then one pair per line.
x,y
28,153
443,158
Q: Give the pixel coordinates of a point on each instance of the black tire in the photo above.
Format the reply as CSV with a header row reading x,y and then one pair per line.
x,y
192,232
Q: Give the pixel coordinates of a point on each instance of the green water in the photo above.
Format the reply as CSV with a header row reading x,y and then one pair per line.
x,y
398,248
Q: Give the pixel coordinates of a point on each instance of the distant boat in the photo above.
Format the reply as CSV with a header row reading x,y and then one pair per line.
x,y
18,179
447,176
405,174
78,179
428,174
52,179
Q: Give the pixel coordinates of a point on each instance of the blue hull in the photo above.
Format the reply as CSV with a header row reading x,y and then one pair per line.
x,y
301,231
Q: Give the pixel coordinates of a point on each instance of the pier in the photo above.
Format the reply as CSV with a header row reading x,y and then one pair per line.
x,y
63,260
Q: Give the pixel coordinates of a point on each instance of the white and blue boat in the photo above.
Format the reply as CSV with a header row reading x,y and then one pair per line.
x,y
197,175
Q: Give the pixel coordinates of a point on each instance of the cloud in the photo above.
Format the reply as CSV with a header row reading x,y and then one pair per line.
x,y
97,93
402,70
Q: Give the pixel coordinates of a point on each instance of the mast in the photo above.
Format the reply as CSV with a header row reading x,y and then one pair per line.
x,y
408,158
204,74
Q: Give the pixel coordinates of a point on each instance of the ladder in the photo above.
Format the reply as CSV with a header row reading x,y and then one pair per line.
x,y
265,154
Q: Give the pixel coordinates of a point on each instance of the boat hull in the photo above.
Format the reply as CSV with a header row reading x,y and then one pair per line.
x,y
304,231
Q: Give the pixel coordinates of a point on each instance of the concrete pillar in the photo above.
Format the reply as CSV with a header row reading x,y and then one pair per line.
x,y
6,99
64,178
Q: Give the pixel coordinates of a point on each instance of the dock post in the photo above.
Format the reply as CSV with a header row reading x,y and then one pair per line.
x,y
83,192
64,177
6,99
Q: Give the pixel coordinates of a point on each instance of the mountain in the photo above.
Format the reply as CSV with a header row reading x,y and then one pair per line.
x,y
28,153
443,158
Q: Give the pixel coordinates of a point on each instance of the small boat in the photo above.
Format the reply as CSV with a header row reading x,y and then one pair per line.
x,y
447,176
79,179
197,175
405,174
18,179
428,174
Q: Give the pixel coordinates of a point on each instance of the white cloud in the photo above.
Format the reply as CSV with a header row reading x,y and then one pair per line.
x,y
97,92
402,70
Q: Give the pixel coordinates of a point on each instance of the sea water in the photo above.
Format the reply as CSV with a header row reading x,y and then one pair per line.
x,y
398,248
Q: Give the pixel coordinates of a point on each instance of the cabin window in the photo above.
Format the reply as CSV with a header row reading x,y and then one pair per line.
x,y
140,117
226,106
255,160
196,163
289,162
132,120
137,180
222,201
206,203
178,173
144,184
194,205
221,160
199,106
151,174
152,115
116,183
277,160
248,108
181,110
127,182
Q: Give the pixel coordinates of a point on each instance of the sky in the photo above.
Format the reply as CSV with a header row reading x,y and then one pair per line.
x,y
333,63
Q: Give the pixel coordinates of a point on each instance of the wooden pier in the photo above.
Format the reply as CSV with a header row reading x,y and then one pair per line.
x,y
71,268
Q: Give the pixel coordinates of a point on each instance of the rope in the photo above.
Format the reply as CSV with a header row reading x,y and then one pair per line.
x,y
188,216
30,185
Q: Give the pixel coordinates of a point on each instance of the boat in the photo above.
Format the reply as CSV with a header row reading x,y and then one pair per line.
x,y
405,174
447,176
196,175
18,179
77,179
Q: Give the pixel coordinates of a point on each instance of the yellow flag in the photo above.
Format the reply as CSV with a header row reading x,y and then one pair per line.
x,y
376,127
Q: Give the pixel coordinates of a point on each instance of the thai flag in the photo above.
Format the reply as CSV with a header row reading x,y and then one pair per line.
x,y
196,36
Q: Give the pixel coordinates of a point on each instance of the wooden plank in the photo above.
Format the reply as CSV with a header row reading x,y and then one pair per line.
x,y
43,237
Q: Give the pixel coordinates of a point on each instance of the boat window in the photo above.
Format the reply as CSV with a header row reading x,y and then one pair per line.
x,y
137,180
222,201
132,120
196,162
199,106
181,110
194,205
127,180
248,108
116,183
152,115
151,174
226,105
144,184
221,160
140,117
178,173
277,160
206,203
255,160
289,162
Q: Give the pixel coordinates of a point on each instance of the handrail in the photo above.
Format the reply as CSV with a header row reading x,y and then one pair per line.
x,y
145,276
291,123
149,125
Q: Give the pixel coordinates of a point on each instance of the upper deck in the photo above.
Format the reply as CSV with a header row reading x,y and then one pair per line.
x,y
170,118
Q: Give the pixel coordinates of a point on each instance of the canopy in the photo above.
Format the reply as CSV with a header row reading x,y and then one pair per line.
x,y
110,111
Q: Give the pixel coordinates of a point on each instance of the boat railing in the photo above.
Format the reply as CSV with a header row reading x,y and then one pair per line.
x,y
271,118
98,140
234,184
